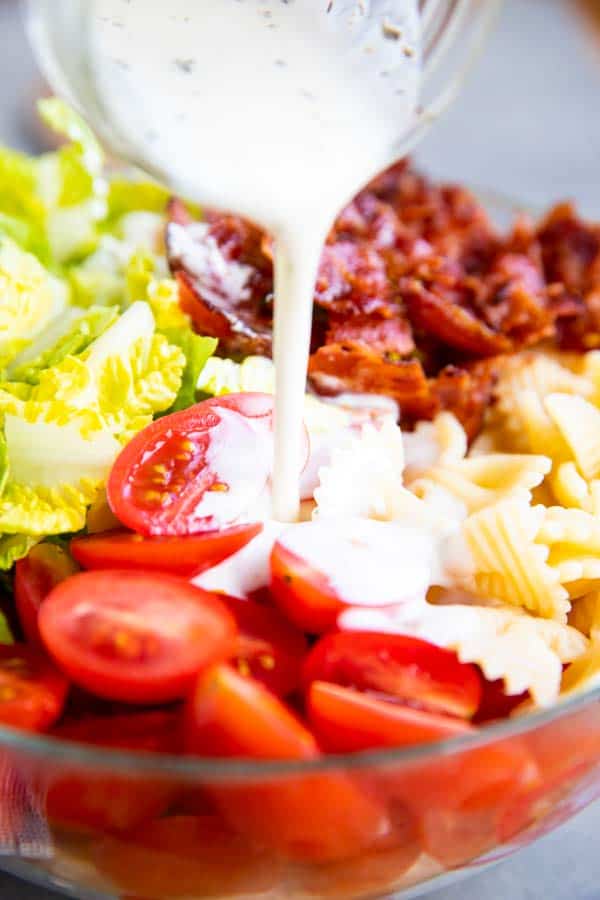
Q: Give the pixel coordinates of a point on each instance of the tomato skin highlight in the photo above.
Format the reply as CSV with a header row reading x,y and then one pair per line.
x,y
269,648
400,666
45,566
347,721
32,690
135,637
186,556
303,595
317,817
169,470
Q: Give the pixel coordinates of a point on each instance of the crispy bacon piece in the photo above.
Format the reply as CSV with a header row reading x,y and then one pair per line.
x,y
225,280
467,392
448,217
570,250
391,337
352,279
438,299
354,366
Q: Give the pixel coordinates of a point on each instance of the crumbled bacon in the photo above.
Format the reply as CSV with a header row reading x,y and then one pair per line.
x,y
225,280
417,295
354,366
352,279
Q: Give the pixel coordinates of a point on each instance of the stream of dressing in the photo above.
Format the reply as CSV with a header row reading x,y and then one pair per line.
x,y
277,109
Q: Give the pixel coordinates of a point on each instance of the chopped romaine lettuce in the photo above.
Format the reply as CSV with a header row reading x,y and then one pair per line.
x,y
68,335
223,376
30,298
63,433
93,342
197,351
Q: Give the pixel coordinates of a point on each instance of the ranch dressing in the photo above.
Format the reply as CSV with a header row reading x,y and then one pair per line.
x,y
277,109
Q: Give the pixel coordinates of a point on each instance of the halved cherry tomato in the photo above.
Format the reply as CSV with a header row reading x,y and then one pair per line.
x,y
42,569
185,556
400,666
132,636
157,731
312,817
86,799
460,800
269,648
320,568
303,595
183,857
32,691
230,714
346,721
196,470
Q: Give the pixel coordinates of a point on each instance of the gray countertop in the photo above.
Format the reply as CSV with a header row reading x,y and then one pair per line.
x,y
527,125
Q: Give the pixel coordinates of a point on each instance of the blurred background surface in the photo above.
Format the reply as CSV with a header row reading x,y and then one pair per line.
x,y
527,125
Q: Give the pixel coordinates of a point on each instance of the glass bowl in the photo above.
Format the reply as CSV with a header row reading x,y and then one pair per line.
x,y
103,823
100,823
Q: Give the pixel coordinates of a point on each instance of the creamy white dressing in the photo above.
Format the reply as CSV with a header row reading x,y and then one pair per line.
x,y
366,563
237,457
278,110
247,570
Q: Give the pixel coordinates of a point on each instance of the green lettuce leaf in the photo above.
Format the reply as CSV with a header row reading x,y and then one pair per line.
x,y
23,214
63,433
69,336
126,195
63,120
224,376
197,350
175,324
30,298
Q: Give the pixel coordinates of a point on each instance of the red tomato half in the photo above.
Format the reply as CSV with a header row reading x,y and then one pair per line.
x,y
320,568
86,799
303,594
136,637
346,721
42,569
32,691
196,470
183,857
311,817
269,648
185,556
155,732
231,715
400,666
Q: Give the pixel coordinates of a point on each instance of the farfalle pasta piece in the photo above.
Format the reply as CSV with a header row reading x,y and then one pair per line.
x,y
526,652
520,392
509,564
583,674
578,421
585,615
440,442
484,480
591,371
364,477
576,570
570,489
575,528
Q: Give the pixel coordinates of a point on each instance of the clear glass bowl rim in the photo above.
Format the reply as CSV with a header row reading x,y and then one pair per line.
x,y
196,768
